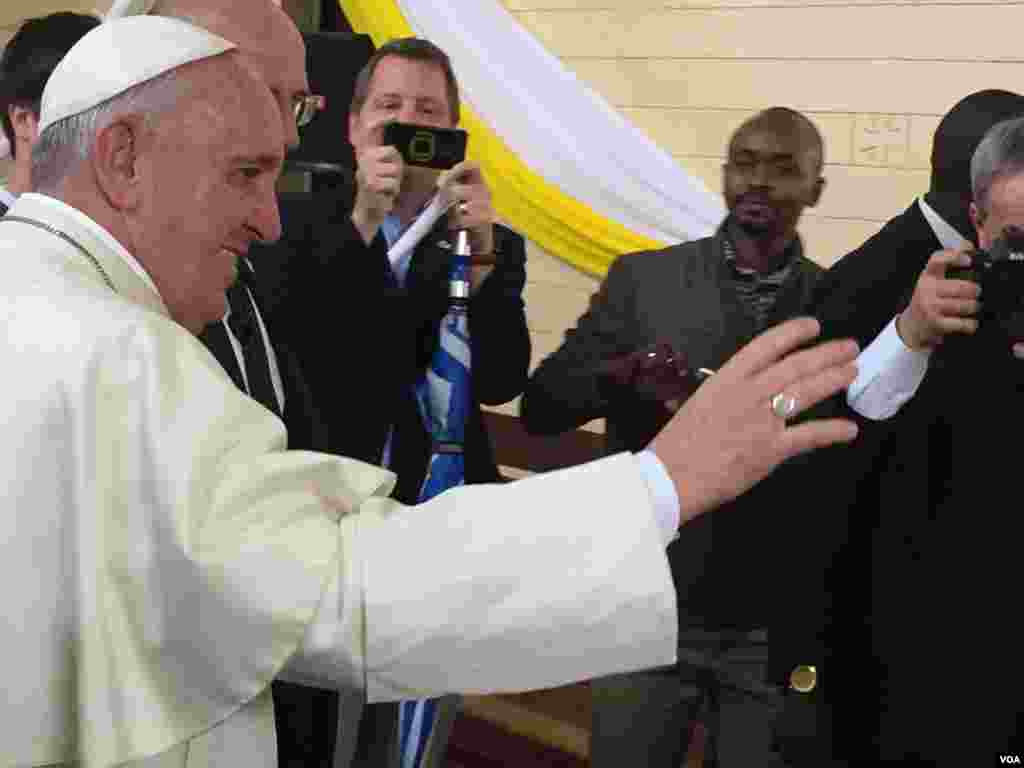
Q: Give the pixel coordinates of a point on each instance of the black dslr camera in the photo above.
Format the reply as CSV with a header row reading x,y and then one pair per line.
x,y
422,145
1000,273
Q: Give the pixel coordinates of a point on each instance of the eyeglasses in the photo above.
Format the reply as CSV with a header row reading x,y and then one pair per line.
x,y
306,107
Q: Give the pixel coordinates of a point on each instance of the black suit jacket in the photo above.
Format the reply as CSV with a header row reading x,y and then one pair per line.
x,y
681,295
3,209
902,545
363,341
864,290
306,430
856,298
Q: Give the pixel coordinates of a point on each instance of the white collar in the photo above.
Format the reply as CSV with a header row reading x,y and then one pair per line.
x,y
947,235
6,197
99,233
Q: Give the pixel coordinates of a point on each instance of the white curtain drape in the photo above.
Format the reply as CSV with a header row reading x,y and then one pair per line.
x,y
559,126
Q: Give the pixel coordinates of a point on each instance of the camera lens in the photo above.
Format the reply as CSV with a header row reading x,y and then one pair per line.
x,y
421,148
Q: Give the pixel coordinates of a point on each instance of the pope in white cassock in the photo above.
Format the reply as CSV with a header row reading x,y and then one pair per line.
x,y
165,557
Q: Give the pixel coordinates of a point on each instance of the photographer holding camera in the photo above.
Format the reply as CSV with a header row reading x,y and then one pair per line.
x,y
945,298
405,215
900,638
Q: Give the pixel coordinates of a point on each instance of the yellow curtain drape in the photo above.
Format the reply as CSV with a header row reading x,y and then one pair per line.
x,y
561,225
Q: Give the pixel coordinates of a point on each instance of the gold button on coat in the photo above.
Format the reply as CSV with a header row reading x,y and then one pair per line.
x,y
803,678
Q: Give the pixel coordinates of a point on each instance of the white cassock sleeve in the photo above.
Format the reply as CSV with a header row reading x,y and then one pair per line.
x,y
534,584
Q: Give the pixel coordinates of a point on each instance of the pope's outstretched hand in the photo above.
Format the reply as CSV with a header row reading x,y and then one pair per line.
x,y
734,430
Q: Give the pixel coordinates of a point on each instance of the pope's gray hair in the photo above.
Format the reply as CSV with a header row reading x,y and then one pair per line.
x,y
1000,153
63,145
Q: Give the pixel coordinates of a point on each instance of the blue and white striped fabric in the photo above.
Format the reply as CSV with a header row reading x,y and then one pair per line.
x,y
444,399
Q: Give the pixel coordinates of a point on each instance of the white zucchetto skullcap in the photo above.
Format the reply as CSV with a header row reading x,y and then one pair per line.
x,y
120,54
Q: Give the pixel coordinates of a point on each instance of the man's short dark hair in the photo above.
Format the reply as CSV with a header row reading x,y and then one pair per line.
x,y
959,133
30,57
415,49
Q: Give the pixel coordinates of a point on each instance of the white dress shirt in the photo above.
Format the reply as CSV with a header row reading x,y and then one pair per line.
x,y
888,371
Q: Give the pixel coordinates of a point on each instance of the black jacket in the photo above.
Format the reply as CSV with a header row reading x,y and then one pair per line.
x,y
681,295
363,341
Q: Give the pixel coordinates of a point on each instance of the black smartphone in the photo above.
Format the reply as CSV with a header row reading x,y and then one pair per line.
x,y
421,145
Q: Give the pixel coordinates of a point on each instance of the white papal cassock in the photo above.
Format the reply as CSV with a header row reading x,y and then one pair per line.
x,y
164,557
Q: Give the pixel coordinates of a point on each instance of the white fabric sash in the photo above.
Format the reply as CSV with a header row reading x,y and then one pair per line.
x,y
561,128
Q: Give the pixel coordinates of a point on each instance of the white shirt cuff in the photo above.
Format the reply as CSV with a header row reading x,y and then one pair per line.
x,y
888,374
663,494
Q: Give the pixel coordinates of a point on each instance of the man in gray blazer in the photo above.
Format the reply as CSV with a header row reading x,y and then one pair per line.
x,y
697,302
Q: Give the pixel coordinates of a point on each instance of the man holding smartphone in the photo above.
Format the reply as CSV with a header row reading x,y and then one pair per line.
x,y
375,259
689,305
378,256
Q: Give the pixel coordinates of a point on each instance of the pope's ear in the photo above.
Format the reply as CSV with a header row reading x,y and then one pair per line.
x,y
25,123
116,161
